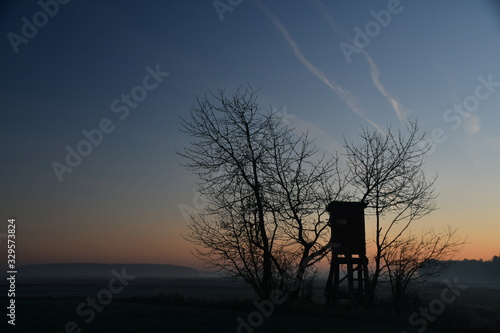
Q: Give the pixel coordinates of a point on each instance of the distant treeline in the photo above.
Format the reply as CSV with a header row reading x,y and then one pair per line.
x,y
90,270
474,271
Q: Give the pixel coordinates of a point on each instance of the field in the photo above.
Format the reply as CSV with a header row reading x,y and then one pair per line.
x,y
214,305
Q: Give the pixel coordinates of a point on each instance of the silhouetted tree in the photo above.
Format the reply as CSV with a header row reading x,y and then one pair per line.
x,y
386,170
266,189
411,259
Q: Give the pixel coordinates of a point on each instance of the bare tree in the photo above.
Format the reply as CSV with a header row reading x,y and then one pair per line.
x,y
412,259
386,170
302,188
266,188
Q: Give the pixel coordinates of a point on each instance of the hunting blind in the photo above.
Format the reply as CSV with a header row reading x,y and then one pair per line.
x,y
347,224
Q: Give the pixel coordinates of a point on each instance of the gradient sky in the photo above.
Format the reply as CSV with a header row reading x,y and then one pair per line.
x,y
121,203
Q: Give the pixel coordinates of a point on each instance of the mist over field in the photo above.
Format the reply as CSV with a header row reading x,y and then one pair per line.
x,y
89,270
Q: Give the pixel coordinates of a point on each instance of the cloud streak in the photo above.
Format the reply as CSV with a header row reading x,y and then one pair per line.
x,y
348,97
398,108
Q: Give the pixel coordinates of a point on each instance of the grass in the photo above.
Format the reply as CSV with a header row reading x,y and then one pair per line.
x,y
474,311
141,315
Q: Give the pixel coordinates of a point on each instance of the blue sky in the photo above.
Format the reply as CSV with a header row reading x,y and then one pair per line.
x,y
121,203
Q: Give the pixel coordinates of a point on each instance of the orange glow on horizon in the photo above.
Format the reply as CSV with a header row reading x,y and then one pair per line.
x,y
130,243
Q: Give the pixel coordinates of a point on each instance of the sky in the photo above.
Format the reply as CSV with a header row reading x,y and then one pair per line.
x,y
92,93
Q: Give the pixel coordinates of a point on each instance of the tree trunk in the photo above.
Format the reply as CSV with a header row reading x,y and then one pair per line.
x,y
378,257
266,260
299,278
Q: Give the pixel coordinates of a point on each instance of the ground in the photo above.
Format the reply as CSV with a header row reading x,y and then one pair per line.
x,y
172,307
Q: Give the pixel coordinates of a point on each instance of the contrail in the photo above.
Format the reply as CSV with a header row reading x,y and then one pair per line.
x,y
344,94
401,112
